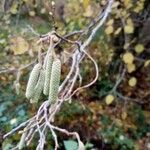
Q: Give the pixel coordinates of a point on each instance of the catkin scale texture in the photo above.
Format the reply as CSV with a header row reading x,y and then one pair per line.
x,y
54,81
33,81
39,87
48,70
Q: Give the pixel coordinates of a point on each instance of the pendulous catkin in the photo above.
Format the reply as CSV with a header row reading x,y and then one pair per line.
x,y
48,70
39,87
33,81
54,81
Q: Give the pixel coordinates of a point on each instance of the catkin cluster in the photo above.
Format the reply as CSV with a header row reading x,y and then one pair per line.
x,y
44,79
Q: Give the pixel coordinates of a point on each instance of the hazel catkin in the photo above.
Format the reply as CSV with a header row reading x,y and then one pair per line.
x,y
39,87
54,81
33,81
48,70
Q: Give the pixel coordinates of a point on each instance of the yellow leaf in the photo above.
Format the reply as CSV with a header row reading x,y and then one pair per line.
x,y
88,12
124,115
118,122
139,48
118,31
13,9
32,13
131,67
115,4
43,11
147,63
139,7
110,22
109,30
19,45
103,2
130,22
126,45
86,3
128,58
132,81
124,13
109,99
127,3
129,29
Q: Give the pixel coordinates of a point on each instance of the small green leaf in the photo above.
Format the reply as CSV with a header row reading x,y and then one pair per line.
x,y
71,145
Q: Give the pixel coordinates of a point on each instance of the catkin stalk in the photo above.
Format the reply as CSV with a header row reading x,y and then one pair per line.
x,y
39,87
48,70
54,81
33,81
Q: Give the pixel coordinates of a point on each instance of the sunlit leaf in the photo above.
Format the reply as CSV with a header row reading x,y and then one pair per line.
x,y
129,29
139,48
103,2
128,58
110,22
109,30
126,45
129,22
88,12
13,9
109,99
132,81
127,3
124,115
86,3
131,67
147,63
32,13
115,4
118,31
43,11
